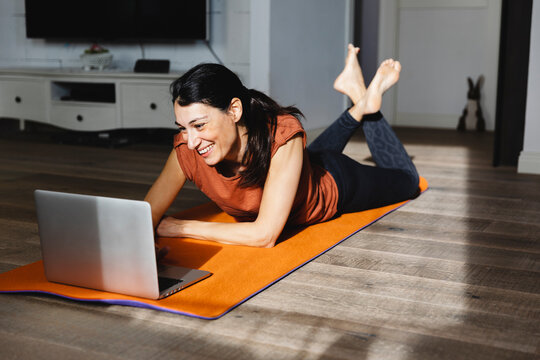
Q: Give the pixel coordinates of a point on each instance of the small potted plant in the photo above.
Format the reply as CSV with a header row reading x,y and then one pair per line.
x,y
96,57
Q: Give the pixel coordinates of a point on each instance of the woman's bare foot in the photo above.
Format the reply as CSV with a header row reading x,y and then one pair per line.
x,y
387,75
351,81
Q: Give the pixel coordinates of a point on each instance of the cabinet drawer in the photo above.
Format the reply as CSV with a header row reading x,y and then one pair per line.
x,y
146,106
23,99
84,117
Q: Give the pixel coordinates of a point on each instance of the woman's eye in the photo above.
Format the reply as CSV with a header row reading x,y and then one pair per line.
x,y
181,130
199,126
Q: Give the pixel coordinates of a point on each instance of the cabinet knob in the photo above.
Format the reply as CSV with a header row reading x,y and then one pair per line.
x,y
18,99
80,118
153,106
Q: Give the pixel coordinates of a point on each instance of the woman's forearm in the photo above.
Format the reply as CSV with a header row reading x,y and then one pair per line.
x,y
243,233
165,188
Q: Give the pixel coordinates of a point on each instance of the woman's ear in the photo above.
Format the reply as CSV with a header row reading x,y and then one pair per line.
x,y
235,109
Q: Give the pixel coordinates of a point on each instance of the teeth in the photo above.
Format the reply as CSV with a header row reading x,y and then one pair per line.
x,y
206,149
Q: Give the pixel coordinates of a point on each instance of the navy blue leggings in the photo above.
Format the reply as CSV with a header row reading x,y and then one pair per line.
x,y
363,187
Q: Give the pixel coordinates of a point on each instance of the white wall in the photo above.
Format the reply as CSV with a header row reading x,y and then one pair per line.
x,y
229,37
290,49
439,44
308,43
529,159
260,46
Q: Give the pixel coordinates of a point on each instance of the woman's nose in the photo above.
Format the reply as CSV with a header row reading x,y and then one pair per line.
x,y
193,140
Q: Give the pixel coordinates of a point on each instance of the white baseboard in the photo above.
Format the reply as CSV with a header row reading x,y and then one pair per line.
x,y
529,162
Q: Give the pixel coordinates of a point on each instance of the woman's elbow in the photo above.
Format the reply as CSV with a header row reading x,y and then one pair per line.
x,y
264,234
264,243
268,244
263,240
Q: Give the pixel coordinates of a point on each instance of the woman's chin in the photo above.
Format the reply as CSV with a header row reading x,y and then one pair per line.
x,y
210,160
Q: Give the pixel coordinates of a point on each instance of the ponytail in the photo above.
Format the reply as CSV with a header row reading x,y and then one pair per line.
x,y
261,123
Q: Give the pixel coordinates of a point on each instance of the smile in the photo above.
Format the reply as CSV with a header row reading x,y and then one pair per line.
x,y
205,150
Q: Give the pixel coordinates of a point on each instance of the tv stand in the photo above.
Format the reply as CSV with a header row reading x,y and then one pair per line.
x,y
87,100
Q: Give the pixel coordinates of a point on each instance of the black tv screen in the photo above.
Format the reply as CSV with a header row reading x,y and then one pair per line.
x,y
117,19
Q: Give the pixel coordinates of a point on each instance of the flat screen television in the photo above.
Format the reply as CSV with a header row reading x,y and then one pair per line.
x,y
123,20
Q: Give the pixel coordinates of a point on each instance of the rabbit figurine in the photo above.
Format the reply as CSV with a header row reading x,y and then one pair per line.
x,y
472,118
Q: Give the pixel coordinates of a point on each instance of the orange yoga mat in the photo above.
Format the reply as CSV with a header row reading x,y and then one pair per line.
x,y
239,272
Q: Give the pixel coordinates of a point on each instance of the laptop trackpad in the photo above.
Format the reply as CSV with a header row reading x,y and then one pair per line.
x,y
170,276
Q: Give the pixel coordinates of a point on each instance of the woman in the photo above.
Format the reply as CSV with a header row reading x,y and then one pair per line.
x,y
248,155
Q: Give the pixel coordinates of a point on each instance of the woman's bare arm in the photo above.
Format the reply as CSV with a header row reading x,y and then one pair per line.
x,y
277,200
165,188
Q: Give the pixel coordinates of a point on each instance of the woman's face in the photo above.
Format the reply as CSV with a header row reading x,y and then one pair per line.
x,y
213,133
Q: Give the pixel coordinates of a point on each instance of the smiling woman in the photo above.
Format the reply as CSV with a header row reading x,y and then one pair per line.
x,y
248,154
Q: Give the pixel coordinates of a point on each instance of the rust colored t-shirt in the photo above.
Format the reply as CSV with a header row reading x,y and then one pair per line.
x,y
316,198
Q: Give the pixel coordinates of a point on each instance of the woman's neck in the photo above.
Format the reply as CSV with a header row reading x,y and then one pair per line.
x,y
233,164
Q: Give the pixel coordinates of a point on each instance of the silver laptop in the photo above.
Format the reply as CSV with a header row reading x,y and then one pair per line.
x,y
106,244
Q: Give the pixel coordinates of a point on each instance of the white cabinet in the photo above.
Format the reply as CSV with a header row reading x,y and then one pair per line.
x,y
87,100
23,99
84,117
146,105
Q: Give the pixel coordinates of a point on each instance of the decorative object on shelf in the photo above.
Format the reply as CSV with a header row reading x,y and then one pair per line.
x,y
472,118
96,57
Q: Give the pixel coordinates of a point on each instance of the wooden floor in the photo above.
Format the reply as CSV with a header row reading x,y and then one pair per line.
x,y
453,275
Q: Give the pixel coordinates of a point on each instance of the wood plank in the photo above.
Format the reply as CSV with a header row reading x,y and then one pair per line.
x,y
499,331
479,240
490,208
460,296
461,230
22,346
19,243
509,259
436,269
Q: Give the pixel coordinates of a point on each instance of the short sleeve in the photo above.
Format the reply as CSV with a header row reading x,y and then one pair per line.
x,y
288,127
186,158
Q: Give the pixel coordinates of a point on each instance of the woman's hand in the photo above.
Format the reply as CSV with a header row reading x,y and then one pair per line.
x,y
170,227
